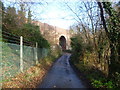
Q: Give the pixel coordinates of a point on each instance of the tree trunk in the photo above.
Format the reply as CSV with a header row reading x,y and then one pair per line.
x,y
112,61
113,65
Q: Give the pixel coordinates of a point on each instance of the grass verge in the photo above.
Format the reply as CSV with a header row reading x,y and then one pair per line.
x,y
95,77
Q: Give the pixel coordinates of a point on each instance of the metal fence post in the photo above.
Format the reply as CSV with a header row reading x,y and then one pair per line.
x,y
21,54
36,53
1,44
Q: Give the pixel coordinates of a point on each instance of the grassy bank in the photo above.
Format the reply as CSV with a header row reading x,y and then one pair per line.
x,y
96,78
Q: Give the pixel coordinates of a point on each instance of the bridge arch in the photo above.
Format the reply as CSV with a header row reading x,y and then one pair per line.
x,y
62,42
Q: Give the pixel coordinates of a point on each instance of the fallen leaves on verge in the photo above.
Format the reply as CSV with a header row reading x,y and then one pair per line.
x,y
29,79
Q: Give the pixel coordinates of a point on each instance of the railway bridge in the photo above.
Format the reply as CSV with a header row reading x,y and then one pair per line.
x,y
55,35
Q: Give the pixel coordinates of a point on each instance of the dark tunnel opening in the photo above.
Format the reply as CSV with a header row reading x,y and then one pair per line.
x,y
62,42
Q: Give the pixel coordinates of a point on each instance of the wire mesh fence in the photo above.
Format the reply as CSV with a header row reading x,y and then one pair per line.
x,y
11,58
18,54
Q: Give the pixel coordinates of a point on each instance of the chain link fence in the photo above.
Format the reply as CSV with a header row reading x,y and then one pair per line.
x,y
11,62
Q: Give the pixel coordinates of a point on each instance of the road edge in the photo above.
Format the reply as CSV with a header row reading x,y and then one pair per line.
x,y
82,76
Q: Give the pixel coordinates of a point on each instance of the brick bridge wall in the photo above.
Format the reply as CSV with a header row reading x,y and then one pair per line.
x,y
53,33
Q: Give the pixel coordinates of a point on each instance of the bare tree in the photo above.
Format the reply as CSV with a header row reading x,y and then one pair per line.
x,y
89,25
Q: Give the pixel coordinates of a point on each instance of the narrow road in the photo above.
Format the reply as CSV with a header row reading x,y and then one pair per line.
x,y
61,75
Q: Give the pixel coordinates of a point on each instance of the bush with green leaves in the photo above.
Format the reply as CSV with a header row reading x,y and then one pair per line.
x,y
32,33
96,77
56,50
77,48
14,22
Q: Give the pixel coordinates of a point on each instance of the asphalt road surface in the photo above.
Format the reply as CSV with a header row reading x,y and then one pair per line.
x,y
61,75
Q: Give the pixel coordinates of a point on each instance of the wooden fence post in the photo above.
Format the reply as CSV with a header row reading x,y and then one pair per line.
x,y
36,53
21,54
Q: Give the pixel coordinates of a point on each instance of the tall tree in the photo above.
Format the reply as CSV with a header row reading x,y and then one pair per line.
x,y
29,16
111,27
9,19
21,14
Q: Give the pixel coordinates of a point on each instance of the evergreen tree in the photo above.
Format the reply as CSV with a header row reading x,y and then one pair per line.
x,y
29,16
21,15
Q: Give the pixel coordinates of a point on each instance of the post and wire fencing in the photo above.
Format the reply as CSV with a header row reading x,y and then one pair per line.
x,y
18,54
